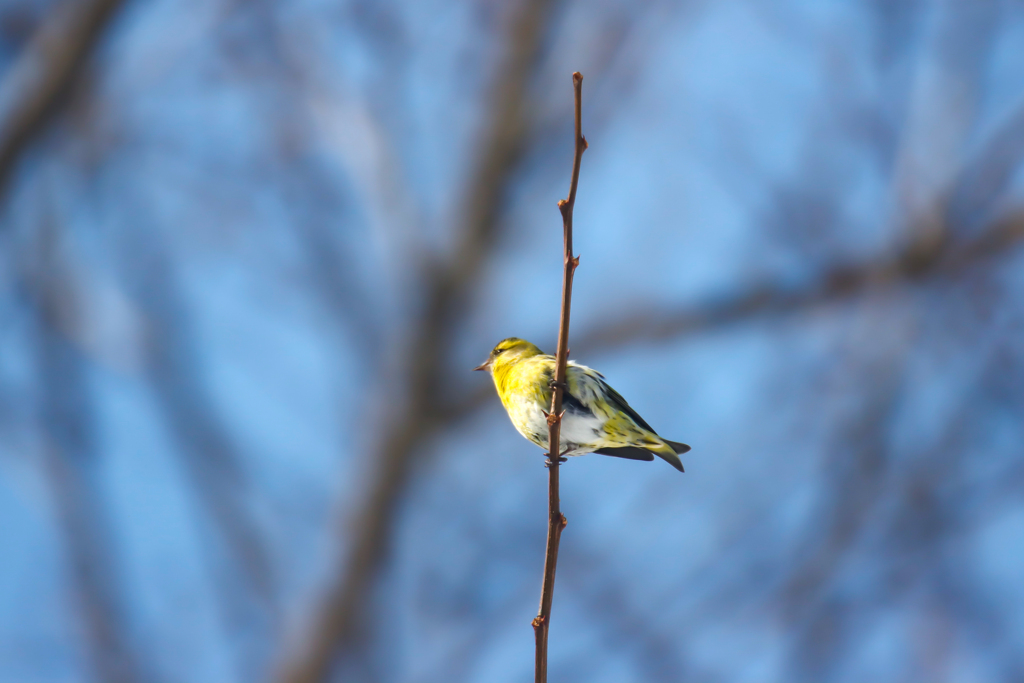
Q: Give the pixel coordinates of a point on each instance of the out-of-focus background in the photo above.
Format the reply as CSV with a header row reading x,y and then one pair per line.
x,y
250,250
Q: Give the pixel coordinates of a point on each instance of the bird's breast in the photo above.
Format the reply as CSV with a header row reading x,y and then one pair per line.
x,y
525,394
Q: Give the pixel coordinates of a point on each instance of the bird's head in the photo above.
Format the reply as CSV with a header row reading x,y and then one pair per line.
x,y
507,352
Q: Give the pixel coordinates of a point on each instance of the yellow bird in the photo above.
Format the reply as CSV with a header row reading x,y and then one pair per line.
x,y
597,419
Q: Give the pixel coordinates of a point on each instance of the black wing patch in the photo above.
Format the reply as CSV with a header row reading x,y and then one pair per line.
x,y
569,402
573,404
628,452
621,404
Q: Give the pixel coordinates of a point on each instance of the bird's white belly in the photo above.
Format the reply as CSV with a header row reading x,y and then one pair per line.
x,y
580,431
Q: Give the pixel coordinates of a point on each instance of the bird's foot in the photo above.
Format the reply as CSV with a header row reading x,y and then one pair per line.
x,y
555,384
548,462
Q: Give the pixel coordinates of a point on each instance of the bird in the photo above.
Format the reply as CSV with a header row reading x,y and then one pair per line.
x,y
596,418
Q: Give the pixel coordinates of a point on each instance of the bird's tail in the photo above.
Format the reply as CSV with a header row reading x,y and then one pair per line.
x,y
679,448
669,451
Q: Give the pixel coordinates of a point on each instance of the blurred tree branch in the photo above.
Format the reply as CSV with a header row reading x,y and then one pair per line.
x,y
238,560
918,261
40,83
45,72
857,472
72,466
446,291
953,229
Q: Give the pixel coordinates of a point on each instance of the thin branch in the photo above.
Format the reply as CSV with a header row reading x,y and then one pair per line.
x,y
44,73
556,520
445,295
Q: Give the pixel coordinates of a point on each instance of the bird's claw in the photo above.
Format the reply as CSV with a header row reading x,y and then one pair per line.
x,y
561,456
555,384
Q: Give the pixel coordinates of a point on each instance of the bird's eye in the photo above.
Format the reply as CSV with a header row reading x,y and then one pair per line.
x,y
498,351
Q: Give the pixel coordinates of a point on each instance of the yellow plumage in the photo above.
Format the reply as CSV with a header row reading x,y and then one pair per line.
x,y
597,419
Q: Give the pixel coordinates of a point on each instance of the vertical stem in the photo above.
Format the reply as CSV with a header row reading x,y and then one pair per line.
x,y
556,521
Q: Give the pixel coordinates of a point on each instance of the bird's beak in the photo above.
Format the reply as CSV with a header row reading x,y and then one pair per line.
x,y
486,365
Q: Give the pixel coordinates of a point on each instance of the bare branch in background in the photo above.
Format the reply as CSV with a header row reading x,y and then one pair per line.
x,y
857,471
917,262
238,559
986,179
40,81
445,294
966,209
45,72
72,464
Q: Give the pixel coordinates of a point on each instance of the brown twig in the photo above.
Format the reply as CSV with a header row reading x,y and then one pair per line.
x,y
556,520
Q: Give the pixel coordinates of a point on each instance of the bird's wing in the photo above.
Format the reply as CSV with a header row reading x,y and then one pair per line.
x,y
573,404
578,402
615,398
590,385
